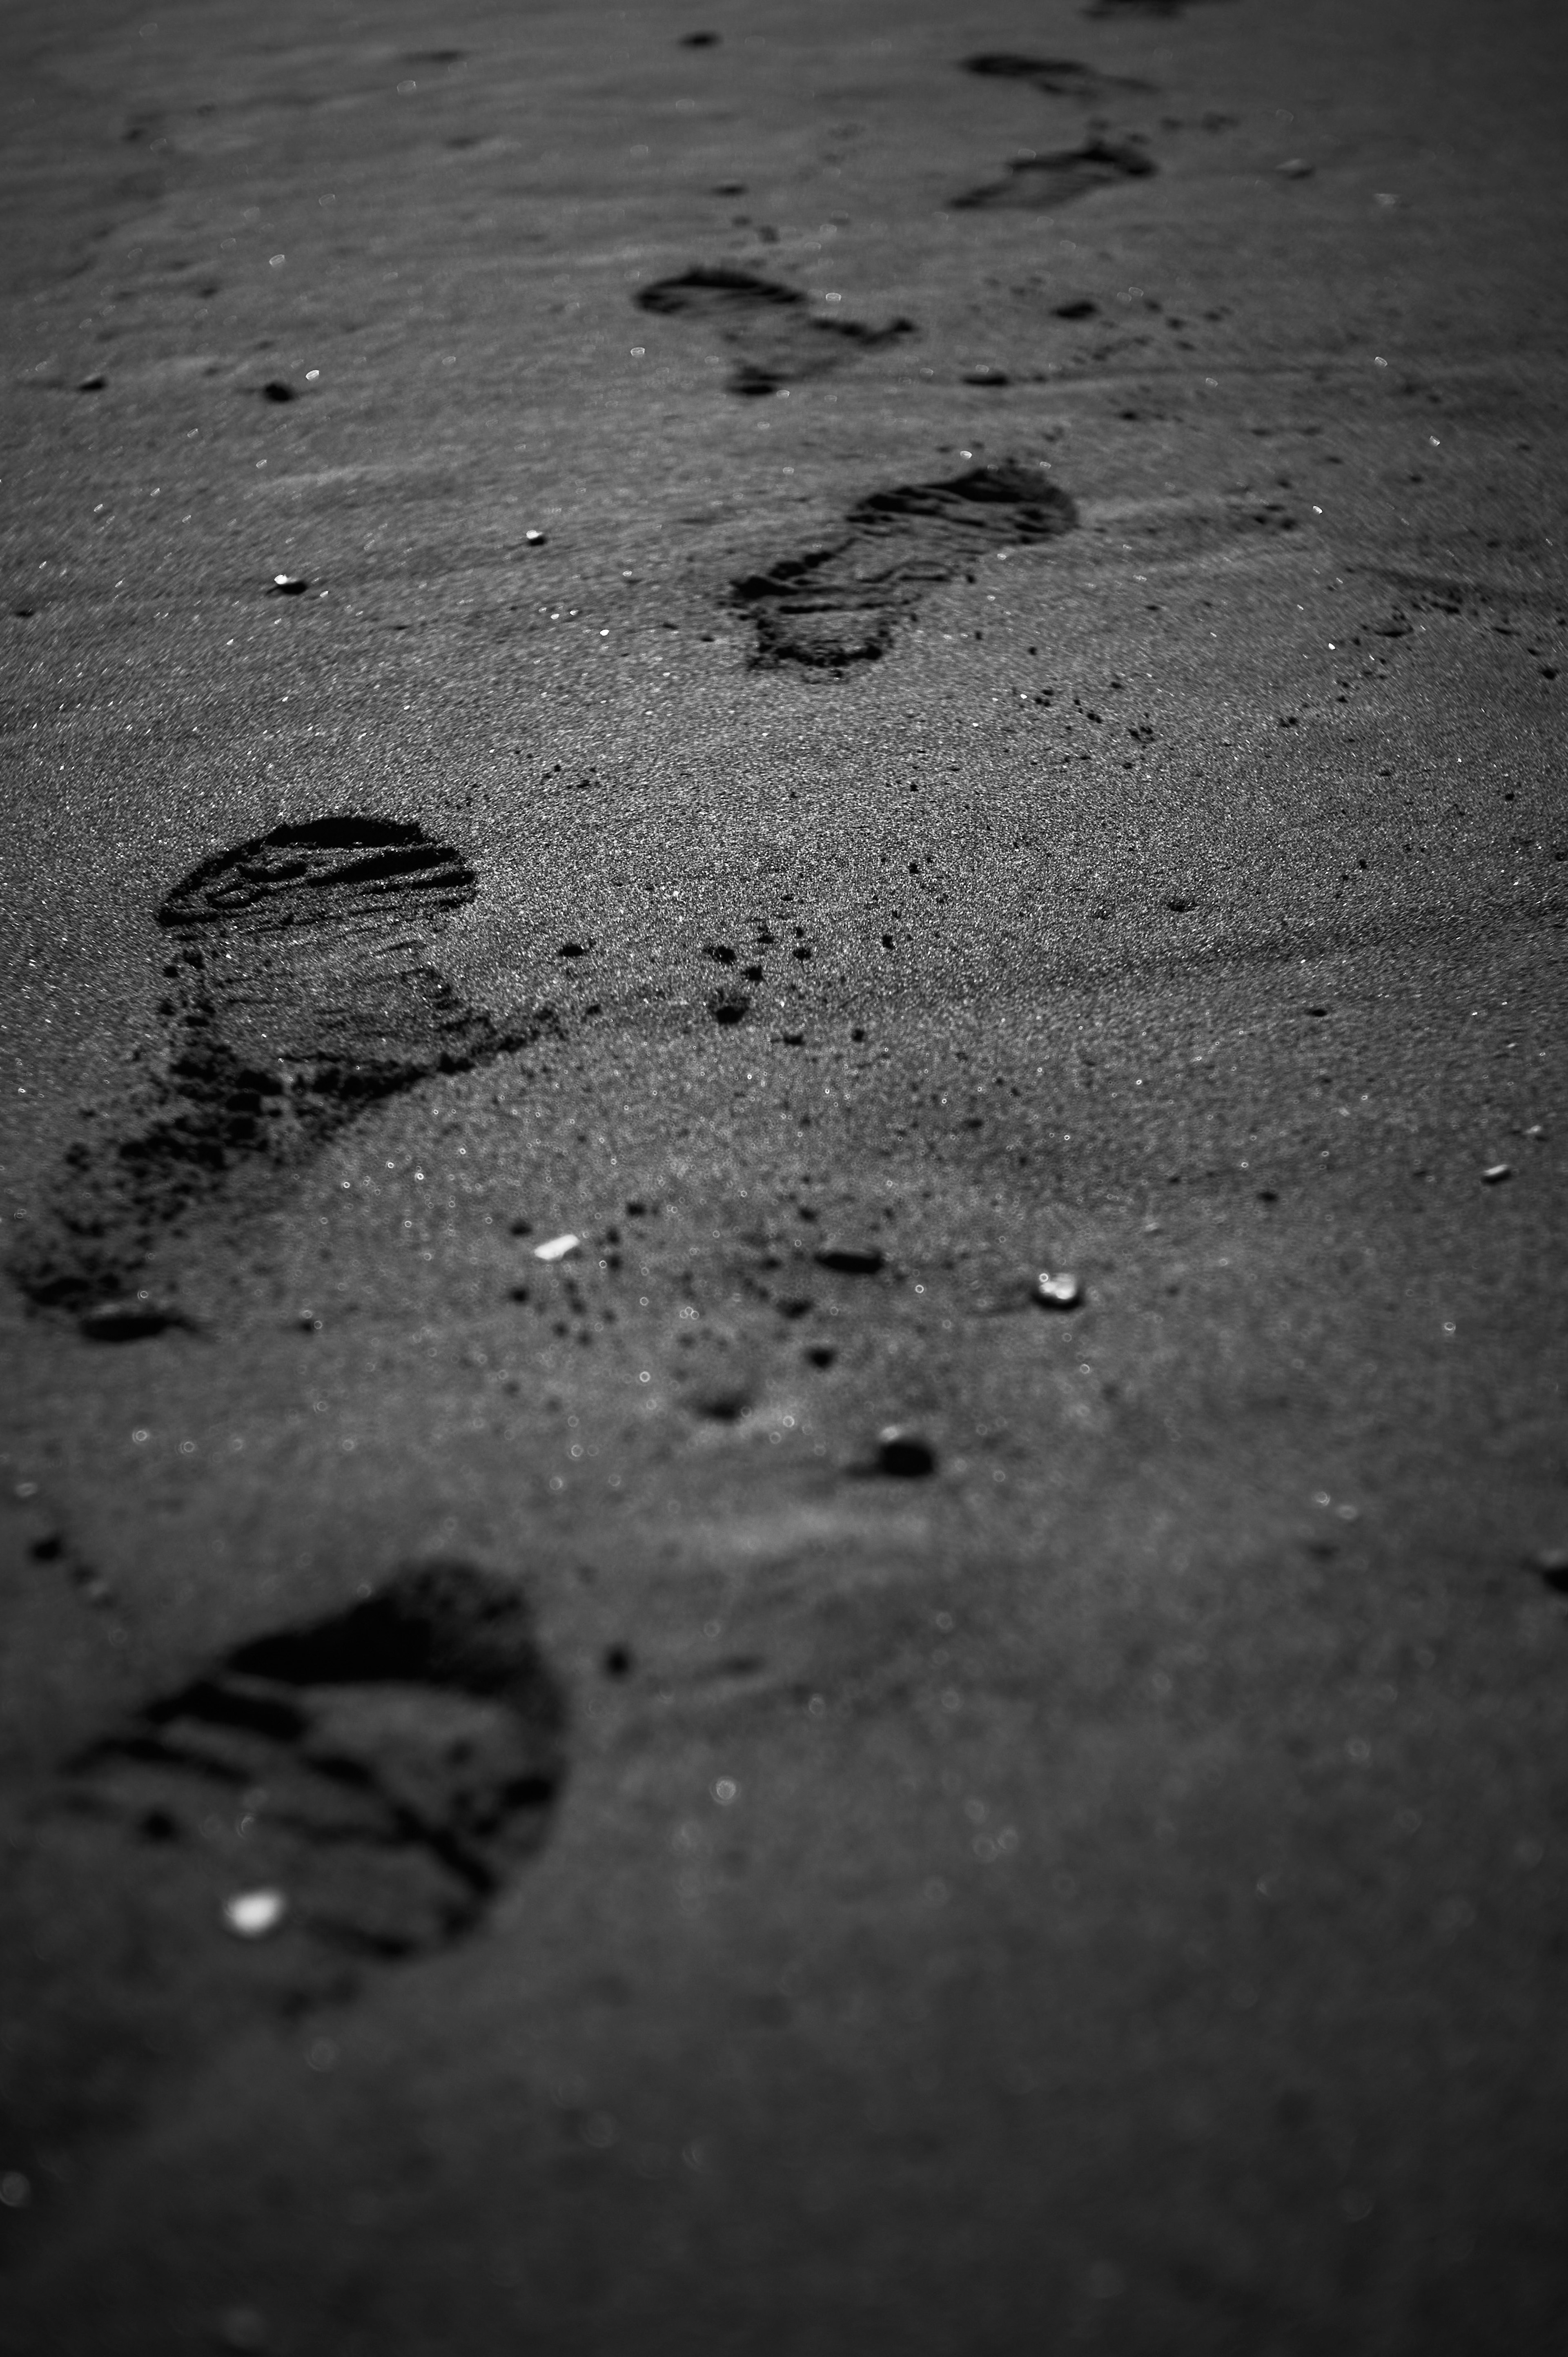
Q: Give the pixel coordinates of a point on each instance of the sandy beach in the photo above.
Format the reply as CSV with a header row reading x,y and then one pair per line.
x,y
784,1505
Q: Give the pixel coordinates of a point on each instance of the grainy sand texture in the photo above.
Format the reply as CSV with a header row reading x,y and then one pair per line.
x,y
784,1498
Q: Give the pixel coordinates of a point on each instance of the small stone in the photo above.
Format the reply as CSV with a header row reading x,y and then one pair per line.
x,y
287,584
1552,1563
92,383
16,2191
557,1247
535,539
1495,1173
254,1914
1057,1289
851,1260
1080,308
1295,167
275,389
986,374
729,1005
904,1453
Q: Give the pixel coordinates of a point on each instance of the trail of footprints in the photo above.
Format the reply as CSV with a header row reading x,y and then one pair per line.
x,y
387,1766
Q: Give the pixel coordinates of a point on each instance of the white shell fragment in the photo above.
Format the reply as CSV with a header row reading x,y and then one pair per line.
x,y
1058,1290
557,1247
253,1914
1494,1175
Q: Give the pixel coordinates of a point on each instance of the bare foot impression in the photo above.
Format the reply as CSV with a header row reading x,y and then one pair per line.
x,y
1039,183
776,337
835,606
299,994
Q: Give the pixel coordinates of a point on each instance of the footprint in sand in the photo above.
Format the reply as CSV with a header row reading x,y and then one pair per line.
x,y
380,1771
299,994
1057,77
838,604
1038,183
1114,9
329,1798
776,338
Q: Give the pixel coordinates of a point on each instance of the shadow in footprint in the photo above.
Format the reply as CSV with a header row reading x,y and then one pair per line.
x,y
776,337
1057,77
319,1802
382,1770
1038,183
299,995
1114,9
839,604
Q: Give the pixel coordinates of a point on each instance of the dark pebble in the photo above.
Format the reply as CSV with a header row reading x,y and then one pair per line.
x,y
851,1260
904,1453
127,1321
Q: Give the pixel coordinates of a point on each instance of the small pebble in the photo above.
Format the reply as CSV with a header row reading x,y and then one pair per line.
x,y
92,383
987,375
729,1005
1058,1290
1552,1563
1494,1175
535,539
904,1453
287,584
275,389
253,1914
557,1247
1295,167
16,2191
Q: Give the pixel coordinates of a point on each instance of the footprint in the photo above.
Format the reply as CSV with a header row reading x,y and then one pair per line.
x,y
382,1770
1057,77
1114,9
299,993
1038,183
831,606
777,339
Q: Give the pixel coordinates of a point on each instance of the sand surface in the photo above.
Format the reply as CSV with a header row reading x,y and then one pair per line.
x,y
849,679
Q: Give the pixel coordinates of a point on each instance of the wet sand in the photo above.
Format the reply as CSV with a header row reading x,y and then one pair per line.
x,y
849,677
